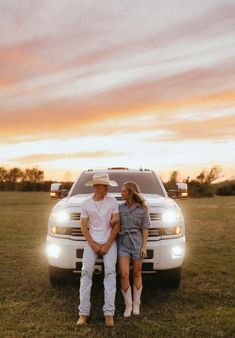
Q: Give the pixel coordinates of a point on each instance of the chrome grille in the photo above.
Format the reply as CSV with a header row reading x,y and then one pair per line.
x,y
76,232
155,216
75,216
154,232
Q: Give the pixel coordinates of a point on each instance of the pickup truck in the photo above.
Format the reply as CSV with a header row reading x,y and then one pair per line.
x,y
166,240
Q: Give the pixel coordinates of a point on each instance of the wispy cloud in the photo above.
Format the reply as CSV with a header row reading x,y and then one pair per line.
x,y
40,158
91,73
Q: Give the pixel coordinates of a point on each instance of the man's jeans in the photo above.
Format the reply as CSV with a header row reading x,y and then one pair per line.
x,y
88,263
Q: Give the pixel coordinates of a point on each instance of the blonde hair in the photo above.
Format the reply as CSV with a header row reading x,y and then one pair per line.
x,y
134,190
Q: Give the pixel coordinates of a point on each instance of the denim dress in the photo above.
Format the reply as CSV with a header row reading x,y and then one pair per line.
x,y
130,238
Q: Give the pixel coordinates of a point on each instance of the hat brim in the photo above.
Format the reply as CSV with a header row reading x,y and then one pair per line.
x,y
91,183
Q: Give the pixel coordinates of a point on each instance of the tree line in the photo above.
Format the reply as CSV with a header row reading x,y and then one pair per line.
x,y
202,186
23,180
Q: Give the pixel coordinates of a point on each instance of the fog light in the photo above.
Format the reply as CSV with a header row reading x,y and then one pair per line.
x,y
177,252
53,250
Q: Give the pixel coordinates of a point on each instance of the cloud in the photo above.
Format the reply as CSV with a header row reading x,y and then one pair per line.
x,y
215,129
39,158
113,69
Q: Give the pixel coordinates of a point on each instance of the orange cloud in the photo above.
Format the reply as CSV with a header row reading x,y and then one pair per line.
x,y
220,128
38,158
81,118
47,75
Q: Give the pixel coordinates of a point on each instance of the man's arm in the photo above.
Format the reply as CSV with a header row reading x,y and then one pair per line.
x,y
115,229
84,227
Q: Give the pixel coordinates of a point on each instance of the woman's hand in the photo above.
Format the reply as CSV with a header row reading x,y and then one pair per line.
x,y
144,252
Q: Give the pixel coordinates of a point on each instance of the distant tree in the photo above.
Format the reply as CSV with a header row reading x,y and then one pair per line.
x,y
226,188
33,175
211,176
201,177
32,179
202,185
3,174
174,177
14,175
3,178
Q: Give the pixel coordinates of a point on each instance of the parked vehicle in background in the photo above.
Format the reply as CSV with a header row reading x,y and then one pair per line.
x,y
180,191
57,191
166,241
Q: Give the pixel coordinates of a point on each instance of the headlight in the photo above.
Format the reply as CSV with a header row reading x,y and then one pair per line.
x,y
53,250
60,216
177,252
171,216
171,231
55,230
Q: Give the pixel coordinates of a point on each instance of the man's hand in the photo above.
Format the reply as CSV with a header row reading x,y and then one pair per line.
x,y
104,248
96,248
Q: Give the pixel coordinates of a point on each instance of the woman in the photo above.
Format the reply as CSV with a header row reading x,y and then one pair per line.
x,y
132,241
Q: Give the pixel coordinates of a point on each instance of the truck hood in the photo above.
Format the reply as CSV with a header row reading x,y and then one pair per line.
x,y
152,201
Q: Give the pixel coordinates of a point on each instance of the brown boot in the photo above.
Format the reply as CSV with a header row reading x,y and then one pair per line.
x,y
82,320
109,322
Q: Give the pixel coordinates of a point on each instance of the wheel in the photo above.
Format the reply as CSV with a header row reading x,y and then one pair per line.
x,y
171,278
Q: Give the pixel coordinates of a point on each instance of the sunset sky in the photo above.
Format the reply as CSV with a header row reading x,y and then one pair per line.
x,y
95,84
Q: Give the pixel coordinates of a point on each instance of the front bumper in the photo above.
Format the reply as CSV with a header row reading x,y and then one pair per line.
x,y
162,255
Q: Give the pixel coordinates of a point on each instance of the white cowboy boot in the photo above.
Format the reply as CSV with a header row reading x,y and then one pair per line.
x,y
136,300
128,302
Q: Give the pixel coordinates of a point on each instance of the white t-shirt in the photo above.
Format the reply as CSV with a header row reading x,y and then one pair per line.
x,y
99,216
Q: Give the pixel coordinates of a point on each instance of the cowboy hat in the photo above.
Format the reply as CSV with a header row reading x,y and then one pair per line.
x,y
101,178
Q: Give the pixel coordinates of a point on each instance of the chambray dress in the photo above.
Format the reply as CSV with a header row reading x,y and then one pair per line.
x,y
130,239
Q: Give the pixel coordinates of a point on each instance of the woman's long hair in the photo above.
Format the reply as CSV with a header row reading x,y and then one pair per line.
x,y
134,190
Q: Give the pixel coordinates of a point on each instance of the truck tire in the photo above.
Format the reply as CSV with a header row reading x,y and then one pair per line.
x,y
171,278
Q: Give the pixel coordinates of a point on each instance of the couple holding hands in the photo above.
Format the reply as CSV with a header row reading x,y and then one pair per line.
x,y
113,231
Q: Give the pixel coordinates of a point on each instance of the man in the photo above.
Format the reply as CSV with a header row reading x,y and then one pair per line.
x,y
100,225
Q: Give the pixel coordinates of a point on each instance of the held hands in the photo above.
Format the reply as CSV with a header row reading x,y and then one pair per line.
x,y
100,249
96,247
104,248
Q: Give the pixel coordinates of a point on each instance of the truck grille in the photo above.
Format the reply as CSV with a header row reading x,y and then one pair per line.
x,y
155,216
75,216
76,232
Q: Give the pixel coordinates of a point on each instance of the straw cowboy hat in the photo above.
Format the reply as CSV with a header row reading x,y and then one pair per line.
x,y
101,178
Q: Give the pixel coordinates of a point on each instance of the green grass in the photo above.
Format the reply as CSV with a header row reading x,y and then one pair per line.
x,y
203,306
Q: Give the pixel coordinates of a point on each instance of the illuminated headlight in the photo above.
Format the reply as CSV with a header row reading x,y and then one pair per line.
x,y
53,250
177,252
171,216
60,216
55,230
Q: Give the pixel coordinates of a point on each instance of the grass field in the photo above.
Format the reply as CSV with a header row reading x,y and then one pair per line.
x,y
203,306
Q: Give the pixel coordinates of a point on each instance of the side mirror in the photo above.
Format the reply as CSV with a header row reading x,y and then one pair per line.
x,y
57,191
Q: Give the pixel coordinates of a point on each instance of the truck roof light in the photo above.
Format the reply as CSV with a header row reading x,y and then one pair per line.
x,y
118,168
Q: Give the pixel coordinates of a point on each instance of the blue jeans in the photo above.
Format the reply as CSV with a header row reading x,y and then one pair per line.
x,y
88,263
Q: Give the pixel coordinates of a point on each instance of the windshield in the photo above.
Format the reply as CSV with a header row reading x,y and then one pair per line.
x,y
146,180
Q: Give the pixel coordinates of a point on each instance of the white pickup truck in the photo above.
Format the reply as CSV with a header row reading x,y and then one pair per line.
x,y
166,241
